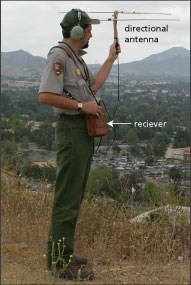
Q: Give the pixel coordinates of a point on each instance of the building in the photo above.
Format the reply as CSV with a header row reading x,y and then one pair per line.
x,y
178,153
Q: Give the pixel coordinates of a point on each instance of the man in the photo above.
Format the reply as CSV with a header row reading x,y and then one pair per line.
x,y
65,85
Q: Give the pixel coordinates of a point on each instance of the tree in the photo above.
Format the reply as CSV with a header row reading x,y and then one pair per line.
x,y
9,148
129,180
160,144
10,155
47,173
104,182
150,194
131,136
25,142
182,139
176,175
149,160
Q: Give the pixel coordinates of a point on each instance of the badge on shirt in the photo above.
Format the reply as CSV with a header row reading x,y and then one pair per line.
x,y
78,71
58,68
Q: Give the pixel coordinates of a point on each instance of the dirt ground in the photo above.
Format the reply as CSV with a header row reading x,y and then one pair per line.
x,y
24,268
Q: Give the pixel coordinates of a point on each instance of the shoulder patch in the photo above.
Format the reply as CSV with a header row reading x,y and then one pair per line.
x,y
58,68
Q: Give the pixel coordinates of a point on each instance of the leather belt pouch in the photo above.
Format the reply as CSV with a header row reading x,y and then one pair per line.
x,y
97,127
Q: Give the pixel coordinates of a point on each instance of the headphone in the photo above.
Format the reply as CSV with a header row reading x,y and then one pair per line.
x,y
77,31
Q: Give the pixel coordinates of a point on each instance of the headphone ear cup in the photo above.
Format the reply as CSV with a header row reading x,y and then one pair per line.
x,y
77,33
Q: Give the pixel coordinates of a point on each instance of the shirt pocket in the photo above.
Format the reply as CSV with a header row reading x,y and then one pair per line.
x,y
78,89
84,90
70,85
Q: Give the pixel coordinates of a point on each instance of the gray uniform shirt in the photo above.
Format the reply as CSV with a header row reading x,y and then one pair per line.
x,y
61,73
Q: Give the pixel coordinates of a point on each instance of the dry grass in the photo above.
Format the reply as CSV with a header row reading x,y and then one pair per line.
x,y
122,253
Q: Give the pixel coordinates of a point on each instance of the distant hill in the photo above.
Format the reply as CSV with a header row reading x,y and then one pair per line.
x,y
172,62
21,63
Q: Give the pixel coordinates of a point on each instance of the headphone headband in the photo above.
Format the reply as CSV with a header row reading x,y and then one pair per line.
x,y
79,16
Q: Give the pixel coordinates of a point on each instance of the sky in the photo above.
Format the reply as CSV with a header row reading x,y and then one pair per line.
x,y
34,26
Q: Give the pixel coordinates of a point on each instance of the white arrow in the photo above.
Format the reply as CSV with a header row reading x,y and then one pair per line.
x,y
111,123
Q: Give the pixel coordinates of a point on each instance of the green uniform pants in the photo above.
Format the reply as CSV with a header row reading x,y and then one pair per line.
x,y
74,155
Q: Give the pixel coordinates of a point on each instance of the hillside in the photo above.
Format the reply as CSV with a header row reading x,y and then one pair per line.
x,y
121,252
172,62
21,63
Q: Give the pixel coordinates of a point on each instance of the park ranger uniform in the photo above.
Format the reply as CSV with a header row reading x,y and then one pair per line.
x,y
74,147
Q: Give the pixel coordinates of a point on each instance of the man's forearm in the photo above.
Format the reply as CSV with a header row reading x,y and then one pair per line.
x,y
61,102
57,101
102,75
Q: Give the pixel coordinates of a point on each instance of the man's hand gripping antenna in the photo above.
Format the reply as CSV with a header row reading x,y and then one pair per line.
x,y
116,40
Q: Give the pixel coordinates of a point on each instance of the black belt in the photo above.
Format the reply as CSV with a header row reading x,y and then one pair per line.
x,y
77,116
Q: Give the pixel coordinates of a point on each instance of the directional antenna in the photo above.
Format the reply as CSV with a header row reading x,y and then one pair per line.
x,y
132,13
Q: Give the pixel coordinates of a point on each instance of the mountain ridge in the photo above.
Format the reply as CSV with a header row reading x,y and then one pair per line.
x,y
174,62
